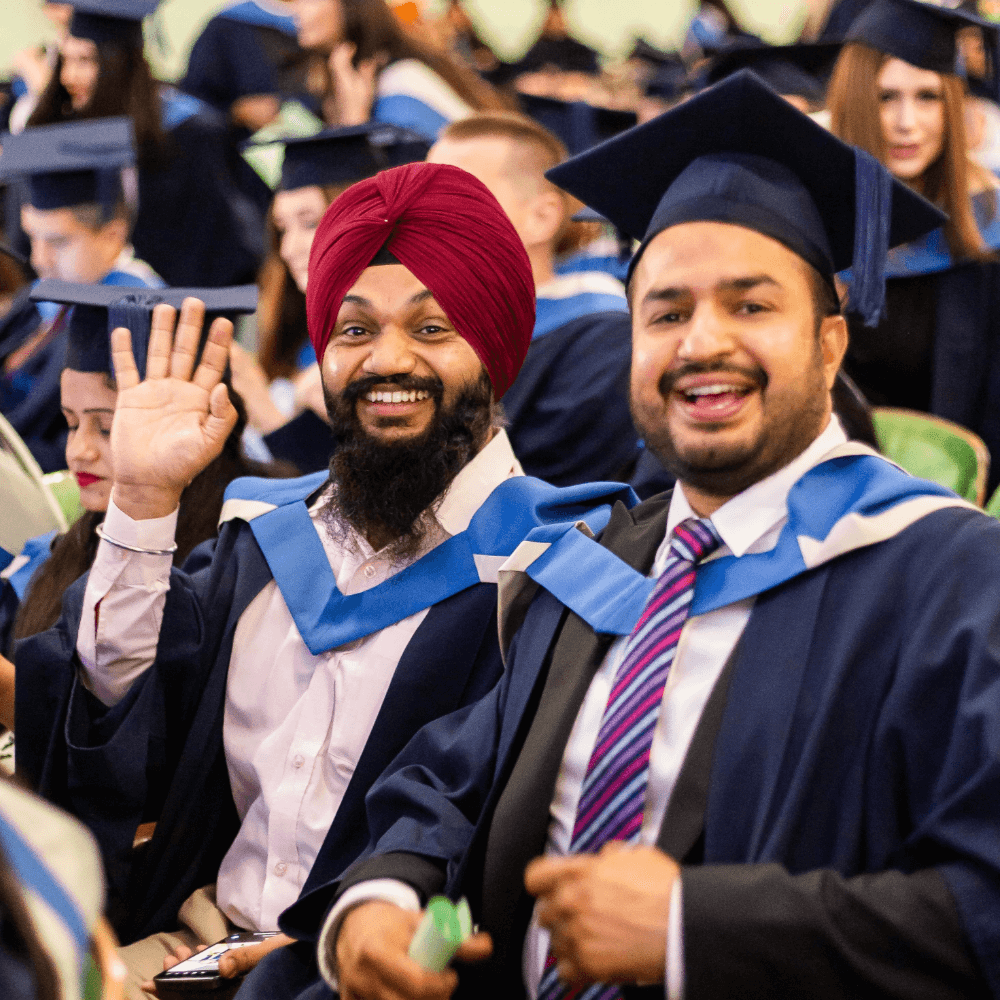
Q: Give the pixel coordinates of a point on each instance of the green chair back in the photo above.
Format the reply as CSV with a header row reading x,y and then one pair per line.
x,y
935,449
67,493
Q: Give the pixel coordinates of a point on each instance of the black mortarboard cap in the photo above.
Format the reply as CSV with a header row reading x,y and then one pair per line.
x,y
73,163
788,69
670,80
346,155
922,34
578,125
110,20
648,53
99,309
739,153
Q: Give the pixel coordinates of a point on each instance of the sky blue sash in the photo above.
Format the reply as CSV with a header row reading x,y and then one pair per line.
x,y
930,254
36,550
550,314
327,619
176,108
609,595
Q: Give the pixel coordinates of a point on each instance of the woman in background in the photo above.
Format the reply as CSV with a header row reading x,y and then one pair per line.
x,y
895,93
369,68
32,587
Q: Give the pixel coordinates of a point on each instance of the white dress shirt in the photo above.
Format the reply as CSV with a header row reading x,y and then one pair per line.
x,y
295,724
750,522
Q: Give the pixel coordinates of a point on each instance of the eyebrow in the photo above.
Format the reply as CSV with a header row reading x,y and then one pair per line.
x,y
359,300
745,284
93,409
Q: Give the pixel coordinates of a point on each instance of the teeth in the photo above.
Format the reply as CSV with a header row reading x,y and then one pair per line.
x,y
397,396
711,390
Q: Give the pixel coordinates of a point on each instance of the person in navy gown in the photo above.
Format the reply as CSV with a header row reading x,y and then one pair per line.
x,y
744,744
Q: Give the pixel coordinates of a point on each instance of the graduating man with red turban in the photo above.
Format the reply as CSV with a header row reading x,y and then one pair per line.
x,y
248,703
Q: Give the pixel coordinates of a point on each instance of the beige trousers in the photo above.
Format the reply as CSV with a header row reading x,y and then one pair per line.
x,y
201,922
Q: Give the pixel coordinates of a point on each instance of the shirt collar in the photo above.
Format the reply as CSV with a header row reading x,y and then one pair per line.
x,y
477,480
744,520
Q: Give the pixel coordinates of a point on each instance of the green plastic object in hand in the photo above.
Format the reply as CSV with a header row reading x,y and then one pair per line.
x,y
441,932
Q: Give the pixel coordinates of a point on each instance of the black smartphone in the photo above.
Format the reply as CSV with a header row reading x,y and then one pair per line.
x,y
200,972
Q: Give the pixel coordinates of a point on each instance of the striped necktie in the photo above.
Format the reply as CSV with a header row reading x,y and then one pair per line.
x,y
613,796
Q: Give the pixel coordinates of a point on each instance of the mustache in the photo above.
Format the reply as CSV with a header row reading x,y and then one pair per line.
x,y
361,386
753,373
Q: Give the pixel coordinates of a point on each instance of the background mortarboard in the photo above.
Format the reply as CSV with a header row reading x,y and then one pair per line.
x,y
923,34
347,155
110,20
99,309
741,154
578,124
800,69
72,163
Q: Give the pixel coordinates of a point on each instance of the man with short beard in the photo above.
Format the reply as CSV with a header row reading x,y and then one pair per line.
x,y
248,703
746,744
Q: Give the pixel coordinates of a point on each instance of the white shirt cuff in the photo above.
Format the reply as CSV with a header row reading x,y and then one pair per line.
x,y
674,977
388,890
154,533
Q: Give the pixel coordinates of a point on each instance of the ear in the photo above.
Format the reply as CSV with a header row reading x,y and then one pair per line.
x,y
116,231
545,218
833,339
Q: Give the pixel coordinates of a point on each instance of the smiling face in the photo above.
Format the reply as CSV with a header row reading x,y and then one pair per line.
x,y
912,115
88,404
297,213
395,355
319,24
80,69
730,378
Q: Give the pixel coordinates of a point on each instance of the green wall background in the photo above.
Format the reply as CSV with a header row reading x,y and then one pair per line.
x,y
509,25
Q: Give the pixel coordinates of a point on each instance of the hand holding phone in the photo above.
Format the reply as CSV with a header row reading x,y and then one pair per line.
x,y
200,972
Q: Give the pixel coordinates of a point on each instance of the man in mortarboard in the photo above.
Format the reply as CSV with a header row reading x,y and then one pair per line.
x,y
248,704
568,408
78,212
745,744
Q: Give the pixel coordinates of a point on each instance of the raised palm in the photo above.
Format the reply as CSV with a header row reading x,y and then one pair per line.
x,y
173,423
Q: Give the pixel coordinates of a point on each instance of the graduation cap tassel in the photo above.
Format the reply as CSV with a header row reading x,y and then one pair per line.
x,y
873,209
133,312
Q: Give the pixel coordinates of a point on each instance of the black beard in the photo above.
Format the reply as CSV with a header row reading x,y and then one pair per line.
x,y
385,488
790,427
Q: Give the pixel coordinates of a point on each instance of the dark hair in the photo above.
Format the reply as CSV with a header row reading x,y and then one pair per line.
x,y
125,86
852,98
826,302
377,32
12,277
20,933
201,504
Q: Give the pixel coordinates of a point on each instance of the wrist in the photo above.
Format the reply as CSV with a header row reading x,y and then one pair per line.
x,y
144,503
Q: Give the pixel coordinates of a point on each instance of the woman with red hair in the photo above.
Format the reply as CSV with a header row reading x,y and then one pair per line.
x,y
895,92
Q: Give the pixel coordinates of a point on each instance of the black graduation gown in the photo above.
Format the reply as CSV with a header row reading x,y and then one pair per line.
x,y
568,407
197,224
158,755
938,350
836,812
31,400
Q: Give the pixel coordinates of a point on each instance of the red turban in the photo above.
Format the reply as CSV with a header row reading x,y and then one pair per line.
x,y
451,233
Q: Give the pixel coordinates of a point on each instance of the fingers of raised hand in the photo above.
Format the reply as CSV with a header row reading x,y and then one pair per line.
x,y
126,373
161,340
215,355
187,338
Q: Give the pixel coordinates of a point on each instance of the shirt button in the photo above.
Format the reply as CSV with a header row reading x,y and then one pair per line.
x,y
280,868
298,760
369,571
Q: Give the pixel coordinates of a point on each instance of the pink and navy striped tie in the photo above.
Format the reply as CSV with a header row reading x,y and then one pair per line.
x,y
613,796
